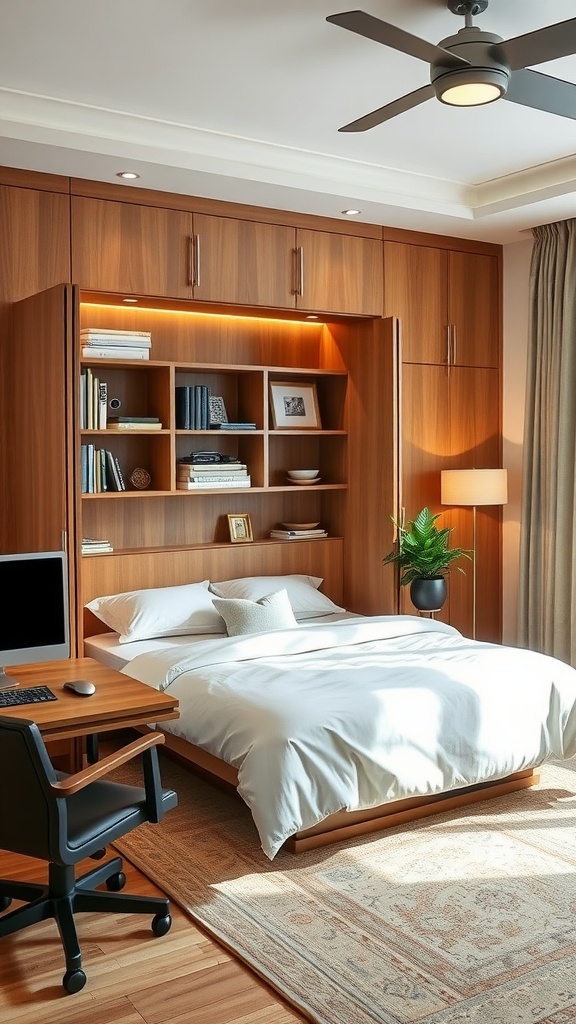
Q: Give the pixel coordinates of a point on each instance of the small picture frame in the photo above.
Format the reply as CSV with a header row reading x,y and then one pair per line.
x,y
217,409
240,528
294,406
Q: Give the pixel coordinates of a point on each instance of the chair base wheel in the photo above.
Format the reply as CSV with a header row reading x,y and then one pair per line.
x,y
116,882
161,925
73,981
5,902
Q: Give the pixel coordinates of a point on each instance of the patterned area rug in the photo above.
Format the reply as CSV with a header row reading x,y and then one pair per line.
x,y
467,918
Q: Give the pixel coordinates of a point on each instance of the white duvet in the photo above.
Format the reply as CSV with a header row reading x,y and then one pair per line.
x,y
352,714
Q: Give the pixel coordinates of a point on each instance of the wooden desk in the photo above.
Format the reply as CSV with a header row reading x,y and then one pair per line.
x,y
119,702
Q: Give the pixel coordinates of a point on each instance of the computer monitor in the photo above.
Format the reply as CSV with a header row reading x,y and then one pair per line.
x,y
34,624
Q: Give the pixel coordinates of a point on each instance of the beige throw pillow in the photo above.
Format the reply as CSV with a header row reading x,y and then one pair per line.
x,y
271,612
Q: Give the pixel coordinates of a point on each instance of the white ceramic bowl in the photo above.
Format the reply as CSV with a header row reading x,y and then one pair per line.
x,y
302,474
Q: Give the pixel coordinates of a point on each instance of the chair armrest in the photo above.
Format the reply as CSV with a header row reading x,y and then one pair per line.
x,y
74,783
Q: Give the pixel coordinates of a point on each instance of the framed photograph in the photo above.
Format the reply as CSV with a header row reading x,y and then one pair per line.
x,y
217,408
294,406
240,528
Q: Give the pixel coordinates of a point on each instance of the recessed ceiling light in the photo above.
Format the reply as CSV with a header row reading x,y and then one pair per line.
x,y
350,213
129,300
127,174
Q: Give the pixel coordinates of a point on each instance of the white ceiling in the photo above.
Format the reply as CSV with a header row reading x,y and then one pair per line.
x,y
241,100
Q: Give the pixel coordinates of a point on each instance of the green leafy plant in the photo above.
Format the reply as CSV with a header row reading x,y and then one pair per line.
x,y
423,550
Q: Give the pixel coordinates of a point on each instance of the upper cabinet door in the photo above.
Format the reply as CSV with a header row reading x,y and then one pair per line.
x,y
474,309
415,290
123,247
242,262
448,302
34,241
339,273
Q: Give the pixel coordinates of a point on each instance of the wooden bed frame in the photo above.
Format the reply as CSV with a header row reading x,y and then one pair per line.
x,y
112,574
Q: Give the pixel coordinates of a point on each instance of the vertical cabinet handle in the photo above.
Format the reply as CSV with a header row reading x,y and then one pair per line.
x,y
194,260
451,344
298,271
191,260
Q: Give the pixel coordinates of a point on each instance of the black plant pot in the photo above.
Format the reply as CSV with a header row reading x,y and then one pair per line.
x,y
428,595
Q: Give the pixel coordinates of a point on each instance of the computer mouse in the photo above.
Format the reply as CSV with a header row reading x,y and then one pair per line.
x,y
82,687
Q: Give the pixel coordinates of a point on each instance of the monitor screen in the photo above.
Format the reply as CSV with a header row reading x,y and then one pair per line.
x,y
34,623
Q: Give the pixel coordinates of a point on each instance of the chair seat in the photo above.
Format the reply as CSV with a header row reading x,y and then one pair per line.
x,y
118,809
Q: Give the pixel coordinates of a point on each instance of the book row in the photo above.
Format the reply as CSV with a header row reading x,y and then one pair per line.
x,y
99,470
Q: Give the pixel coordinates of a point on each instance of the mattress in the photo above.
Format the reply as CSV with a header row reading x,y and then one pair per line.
x,y
105,648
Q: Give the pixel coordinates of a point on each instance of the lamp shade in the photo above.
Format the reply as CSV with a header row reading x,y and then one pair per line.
x,y
474,486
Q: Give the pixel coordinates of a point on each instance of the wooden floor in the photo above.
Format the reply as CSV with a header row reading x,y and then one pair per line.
x,y
181,978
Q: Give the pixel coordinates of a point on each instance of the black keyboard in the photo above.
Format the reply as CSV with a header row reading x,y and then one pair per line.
x,y
31,695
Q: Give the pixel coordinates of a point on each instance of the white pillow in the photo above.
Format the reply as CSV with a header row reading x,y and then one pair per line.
x,y
306,600
160,611
273,611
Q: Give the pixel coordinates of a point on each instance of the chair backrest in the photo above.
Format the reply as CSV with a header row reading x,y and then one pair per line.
x,y
32,820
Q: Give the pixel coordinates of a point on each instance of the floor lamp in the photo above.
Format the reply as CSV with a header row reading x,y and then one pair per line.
x,y
474,487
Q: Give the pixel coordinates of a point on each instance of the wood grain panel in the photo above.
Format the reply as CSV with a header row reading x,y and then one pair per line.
x,y
341,273
34,241
371,353
415,291
426,448
188,335
390,234
122,247
474,309
244,262
113,574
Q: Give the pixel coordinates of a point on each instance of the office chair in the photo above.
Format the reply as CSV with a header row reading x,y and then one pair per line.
x,y
62,819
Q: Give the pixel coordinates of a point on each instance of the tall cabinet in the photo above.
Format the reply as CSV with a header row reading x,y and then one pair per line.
x,y
449,305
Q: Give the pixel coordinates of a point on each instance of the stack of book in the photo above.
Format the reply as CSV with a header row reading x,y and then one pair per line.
x,y
134,423
100,470
191,476
298,534
101,343
95,547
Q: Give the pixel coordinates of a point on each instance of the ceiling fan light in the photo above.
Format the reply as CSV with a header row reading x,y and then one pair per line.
x,y
471,94
471,88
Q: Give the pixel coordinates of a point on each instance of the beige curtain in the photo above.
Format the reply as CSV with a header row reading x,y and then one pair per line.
x,y
548,546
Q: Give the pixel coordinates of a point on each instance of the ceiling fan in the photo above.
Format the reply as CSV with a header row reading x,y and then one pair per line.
x,y
473,67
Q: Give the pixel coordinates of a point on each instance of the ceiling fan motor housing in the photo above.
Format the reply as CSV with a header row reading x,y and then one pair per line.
x,y
486,65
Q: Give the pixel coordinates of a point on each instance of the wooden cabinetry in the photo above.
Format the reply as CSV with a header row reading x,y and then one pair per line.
x,y
142,250
448,301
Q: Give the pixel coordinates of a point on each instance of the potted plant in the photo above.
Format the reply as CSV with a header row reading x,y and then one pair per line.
x,y
425,559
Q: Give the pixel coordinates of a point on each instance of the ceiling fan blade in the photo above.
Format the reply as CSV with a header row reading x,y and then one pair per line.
x,y
544,44
376,117
532,89
390,35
